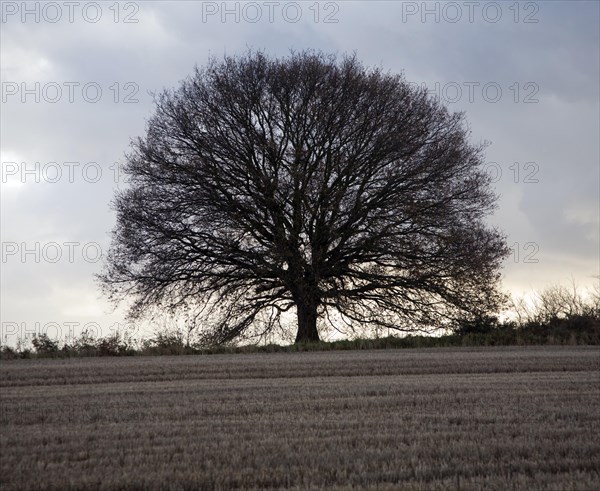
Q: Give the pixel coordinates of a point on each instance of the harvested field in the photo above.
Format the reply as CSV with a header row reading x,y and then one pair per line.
x,y
471,418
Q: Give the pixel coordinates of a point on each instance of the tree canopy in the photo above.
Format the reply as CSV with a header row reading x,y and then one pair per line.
x,y
308,184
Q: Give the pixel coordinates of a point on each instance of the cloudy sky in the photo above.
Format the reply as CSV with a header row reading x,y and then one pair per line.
x,y
77,79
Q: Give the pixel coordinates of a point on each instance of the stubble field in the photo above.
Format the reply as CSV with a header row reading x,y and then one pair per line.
x,y
486,418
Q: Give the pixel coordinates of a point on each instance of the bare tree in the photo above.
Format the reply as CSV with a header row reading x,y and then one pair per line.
x,y
308,183
557,302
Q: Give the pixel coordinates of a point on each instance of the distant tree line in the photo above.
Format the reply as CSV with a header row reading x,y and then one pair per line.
x,y
557,316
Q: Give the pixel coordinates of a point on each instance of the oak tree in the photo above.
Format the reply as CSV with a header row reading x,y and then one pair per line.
x,y
308,184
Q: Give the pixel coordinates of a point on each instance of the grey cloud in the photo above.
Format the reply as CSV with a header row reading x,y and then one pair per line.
x,y
560,53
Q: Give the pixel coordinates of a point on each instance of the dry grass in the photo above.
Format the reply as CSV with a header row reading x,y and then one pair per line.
x,y
487,418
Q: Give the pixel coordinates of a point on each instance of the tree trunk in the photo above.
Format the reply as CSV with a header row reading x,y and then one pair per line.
x,y
307,322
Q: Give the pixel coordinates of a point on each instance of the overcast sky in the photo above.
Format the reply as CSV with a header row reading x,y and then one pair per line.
x,y
76,83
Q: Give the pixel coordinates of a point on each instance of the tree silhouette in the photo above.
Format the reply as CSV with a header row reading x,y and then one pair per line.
x,y
307,183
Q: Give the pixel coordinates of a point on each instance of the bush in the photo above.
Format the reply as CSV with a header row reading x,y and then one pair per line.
x,y
113,346
167,344
44,345
480,325
7,353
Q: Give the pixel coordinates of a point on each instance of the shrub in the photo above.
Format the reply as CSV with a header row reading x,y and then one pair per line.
x,y
480,325
113,346
166,343
7,353
44,345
